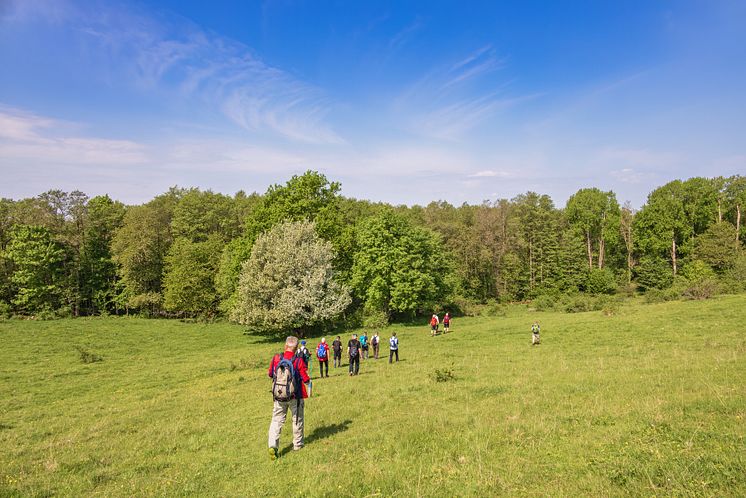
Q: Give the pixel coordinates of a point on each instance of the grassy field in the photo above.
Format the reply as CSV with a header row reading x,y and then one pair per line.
x,y
650,401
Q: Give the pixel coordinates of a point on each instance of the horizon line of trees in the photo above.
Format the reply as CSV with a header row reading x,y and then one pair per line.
x,y
190,253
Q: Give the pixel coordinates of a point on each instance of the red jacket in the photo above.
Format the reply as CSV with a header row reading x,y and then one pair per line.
x,y
298,364
325,346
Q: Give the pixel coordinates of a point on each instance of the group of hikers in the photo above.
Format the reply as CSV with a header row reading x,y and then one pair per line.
x,y
435,322
291,381
357,348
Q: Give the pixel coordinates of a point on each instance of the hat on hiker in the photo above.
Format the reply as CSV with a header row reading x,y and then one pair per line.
x,y
302,343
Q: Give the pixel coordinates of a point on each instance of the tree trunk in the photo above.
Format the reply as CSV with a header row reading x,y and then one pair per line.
x,y
601,251
673,255
720,212
629,267
590,253
738,222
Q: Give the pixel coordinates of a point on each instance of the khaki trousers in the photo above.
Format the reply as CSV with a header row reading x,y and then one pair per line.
x,y
279,413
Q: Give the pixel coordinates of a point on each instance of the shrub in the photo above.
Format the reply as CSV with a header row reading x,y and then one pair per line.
x,y
88,356
702,289
545,302
493,308
600,281
653,273
580,303
734,279
444,375
4,310
375,319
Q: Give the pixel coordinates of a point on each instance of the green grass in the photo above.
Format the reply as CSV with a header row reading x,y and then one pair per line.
x,y
650,401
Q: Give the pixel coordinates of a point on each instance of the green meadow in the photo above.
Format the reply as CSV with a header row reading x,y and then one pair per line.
x,y
648,402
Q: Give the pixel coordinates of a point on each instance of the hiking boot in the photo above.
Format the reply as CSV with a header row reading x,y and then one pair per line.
x,y
273,454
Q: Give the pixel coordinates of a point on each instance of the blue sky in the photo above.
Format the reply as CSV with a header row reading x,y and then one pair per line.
x,y
404,102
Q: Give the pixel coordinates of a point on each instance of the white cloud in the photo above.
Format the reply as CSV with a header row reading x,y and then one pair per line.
x,y
26,136
174,55
490,174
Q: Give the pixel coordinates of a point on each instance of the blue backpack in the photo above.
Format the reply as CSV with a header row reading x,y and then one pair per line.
x,y
363,340
321,351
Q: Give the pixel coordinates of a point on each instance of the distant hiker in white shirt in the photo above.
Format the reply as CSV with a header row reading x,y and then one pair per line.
x,y
393,347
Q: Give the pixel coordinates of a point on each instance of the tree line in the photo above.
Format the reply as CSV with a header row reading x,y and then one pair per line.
x,y
194,253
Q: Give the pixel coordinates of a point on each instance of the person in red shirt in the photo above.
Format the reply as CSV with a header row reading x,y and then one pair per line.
x,y
295,404
322,353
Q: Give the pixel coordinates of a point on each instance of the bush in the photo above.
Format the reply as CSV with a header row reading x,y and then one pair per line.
x,y
148,303
374,319
5,310
600,281
653,273
734,279
545,302
702,289
87,356
493,308
444,375
580,303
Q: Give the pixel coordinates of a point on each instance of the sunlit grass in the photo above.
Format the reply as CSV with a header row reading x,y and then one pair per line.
x,y
650,401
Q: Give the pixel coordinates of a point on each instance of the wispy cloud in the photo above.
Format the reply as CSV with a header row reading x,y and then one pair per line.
x,y
172,54
26,136
453,99
403,36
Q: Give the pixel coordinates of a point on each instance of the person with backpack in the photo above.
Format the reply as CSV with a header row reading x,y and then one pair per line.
x,y
337,348
322,353
393,347
446,323
434,325
353,350
303,353
290,380
364,344
375,341
535,329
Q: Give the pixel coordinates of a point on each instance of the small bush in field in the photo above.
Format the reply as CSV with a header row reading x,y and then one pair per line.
x,y
88,356
443,375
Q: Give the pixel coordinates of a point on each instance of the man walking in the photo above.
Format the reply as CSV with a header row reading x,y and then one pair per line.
x,y
393,347
337,347
289,379
375,341
353,350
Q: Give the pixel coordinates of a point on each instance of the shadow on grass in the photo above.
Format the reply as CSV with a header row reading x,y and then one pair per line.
x,y
326,431
320,433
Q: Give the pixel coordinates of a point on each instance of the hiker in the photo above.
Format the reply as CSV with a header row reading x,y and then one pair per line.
x,y
353,350
434,325
446,323
375,341
303,353
393,347
337,347
289,380
364,343
322,353
535,334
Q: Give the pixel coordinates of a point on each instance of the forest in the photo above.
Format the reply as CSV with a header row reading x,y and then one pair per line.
x,y
303,255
